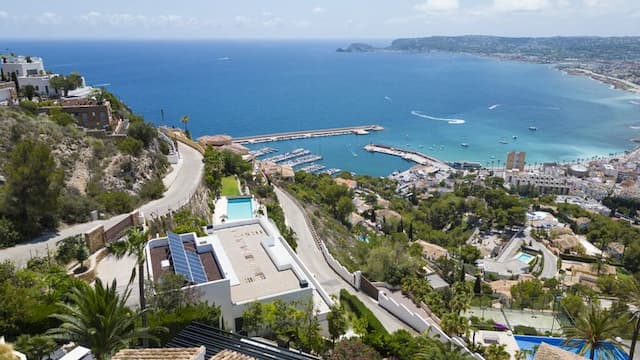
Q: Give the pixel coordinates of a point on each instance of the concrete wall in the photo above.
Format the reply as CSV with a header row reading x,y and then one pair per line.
x,y
403,313
95,239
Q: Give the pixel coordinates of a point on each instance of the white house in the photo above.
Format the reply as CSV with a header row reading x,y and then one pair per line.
x,y
22,66
236,264
40,83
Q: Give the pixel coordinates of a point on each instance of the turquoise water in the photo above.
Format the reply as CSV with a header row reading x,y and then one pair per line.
x,y
247,88
239,208
526,342
524,257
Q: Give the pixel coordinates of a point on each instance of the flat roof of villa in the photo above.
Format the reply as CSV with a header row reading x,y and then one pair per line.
x,y
158,254
256,273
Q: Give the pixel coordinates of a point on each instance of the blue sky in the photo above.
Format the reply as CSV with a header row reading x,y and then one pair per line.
x,y
348,19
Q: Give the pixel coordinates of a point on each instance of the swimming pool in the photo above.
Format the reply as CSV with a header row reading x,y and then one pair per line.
x,y
526,342
524,257
239,208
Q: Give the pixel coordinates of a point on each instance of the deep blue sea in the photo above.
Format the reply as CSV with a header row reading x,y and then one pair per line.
x,y
248,87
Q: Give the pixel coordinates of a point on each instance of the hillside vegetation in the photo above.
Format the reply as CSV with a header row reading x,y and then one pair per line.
x,y
55,173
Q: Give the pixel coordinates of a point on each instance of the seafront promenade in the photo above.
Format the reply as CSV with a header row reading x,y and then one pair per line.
x,y
292,135
409,155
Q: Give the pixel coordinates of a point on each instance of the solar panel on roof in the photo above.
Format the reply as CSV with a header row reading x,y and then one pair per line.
x,y
179,257
197,270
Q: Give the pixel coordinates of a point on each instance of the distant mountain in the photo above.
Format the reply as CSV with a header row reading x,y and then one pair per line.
x,y
552,49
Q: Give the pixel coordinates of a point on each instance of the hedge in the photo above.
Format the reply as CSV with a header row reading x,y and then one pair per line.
x,y
374,326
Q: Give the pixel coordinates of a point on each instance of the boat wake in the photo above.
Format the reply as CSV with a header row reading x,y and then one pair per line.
x,y
634,102
450,121
634,127
225,58
493,106
388,99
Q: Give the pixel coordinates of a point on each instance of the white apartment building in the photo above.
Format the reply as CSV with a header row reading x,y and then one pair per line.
x,y
236,264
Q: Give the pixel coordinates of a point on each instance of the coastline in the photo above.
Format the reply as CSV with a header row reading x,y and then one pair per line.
x,y
617,83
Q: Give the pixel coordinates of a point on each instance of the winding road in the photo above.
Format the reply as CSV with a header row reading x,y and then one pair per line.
x,y
180,183
311,256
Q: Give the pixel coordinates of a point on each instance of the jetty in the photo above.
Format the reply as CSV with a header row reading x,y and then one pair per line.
x,y
293,135
312,168
288,155
409,155
302,160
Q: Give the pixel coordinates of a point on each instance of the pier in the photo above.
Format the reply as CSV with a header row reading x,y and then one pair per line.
x,y
303,160
288,155
409,155
355,130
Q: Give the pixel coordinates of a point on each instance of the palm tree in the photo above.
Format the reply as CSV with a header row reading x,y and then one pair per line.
x,y
134,246
98,318
435,349
592,330
633,301
185,119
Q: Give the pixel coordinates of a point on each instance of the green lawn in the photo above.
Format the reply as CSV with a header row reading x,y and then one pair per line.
x,y
230,186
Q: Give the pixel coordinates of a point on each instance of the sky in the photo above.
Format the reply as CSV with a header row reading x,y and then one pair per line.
x,y
302,19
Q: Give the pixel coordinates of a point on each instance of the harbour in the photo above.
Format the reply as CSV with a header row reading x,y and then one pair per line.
x,y
409,155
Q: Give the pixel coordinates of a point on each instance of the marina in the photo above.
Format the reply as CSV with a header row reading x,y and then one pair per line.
x,y
351,130
288,155
302,160
312,168
263,151
332,171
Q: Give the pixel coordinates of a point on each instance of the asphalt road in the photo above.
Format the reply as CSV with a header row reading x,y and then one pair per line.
x,y
311,256
181,183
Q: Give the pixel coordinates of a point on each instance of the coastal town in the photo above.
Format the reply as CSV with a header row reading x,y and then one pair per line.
x,y
223,247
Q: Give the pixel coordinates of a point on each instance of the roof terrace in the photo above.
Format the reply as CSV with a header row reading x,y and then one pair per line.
x,y
256,272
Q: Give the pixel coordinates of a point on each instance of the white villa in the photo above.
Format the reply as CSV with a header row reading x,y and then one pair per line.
x,y
237,263
30,70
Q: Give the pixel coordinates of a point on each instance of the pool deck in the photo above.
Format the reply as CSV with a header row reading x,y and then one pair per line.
x,y
484,337
220,212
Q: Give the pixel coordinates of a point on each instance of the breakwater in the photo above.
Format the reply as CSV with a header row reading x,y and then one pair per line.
x,y
410,155
292,135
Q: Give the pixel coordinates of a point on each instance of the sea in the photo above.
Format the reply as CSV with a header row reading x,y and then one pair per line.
x,y
432,103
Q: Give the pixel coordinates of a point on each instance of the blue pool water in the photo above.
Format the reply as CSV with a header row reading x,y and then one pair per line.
x,y
526,342
239,208
524,257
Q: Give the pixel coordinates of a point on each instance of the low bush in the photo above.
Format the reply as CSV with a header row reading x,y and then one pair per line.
x,y
68,249
130,146
353,304
152,189
525,330
76,208
116,202
9,236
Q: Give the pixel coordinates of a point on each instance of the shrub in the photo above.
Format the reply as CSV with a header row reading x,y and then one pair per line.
x,y
68,249
152,189
61,118
142,131
525,330
374,326
164,148
8,234
29,107
130,146
76,208
116,202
